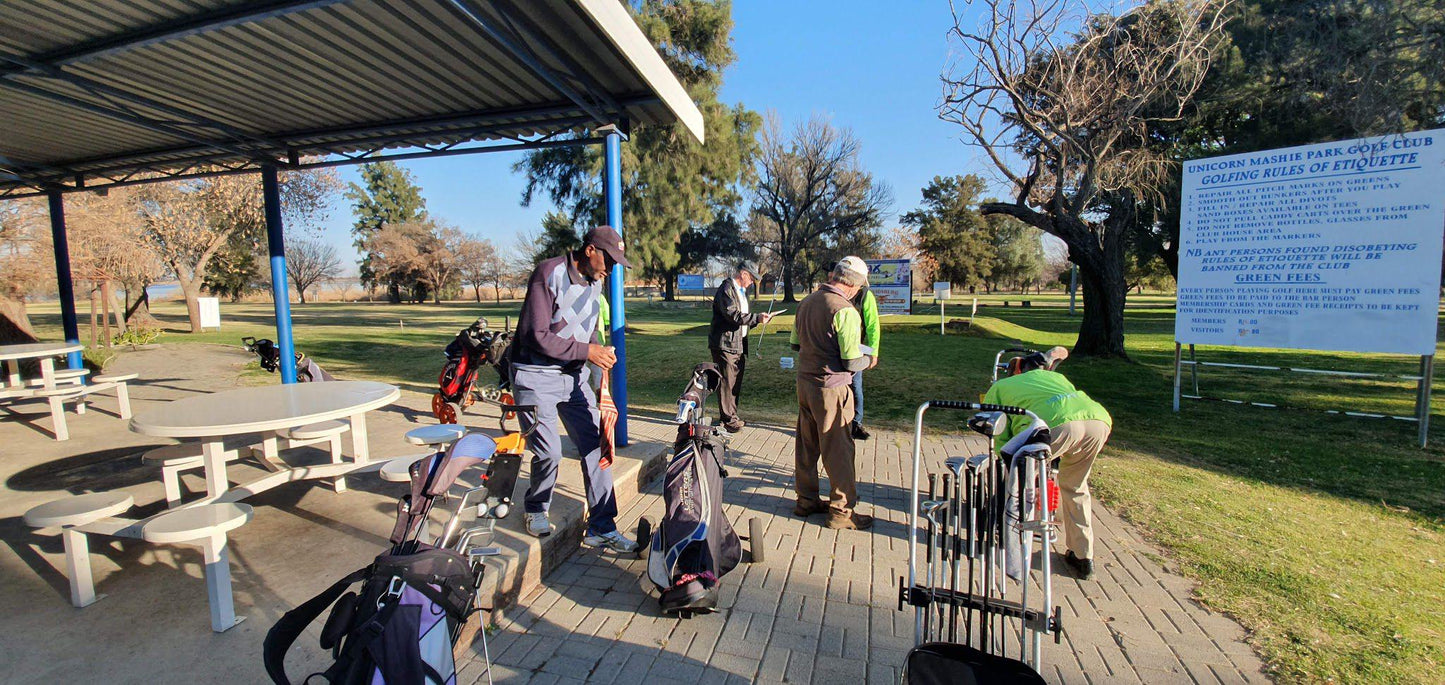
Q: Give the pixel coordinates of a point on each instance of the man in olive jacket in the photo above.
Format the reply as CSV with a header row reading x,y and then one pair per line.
x,y
727,338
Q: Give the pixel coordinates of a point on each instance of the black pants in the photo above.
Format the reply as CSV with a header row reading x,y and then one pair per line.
x,y
732,365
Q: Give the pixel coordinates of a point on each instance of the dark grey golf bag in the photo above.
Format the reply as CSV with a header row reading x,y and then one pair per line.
x,y
694,545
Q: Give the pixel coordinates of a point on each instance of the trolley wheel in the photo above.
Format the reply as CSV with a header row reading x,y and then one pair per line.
x,y
438,406
448,413
644,537
756,544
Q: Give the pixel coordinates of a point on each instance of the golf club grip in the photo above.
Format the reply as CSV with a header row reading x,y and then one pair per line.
x,y
975,406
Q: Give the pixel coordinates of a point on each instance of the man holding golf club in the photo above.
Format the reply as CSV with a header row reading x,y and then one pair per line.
x,y
727,338
827,334
1079,426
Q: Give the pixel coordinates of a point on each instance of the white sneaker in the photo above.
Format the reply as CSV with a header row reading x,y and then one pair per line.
x,y
614,541
538,525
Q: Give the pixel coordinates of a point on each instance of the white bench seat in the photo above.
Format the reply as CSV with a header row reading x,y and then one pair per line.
x,y
438,435
205,526
398,470
174,459
67,514
329,432
75,392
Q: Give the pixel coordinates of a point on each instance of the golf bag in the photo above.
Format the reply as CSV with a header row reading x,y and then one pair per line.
x,y
694,544
307,370
473,348
414,600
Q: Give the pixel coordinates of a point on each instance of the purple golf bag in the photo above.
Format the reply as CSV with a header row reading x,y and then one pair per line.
x,y
694,544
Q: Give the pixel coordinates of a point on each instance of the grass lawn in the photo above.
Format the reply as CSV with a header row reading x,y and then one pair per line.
x,y
1322,534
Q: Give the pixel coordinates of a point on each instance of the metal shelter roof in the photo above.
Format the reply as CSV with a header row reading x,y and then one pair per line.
x,y
95,93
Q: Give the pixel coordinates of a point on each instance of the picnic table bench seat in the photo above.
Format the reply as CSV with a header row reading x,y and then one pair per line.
x,y
206,526
75,392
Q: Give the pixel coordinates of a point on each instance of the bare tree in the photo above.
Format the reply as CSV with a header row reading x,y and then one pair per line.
x,y
473,256
189,222
498,270
812,197
310,262
440,253
1059,101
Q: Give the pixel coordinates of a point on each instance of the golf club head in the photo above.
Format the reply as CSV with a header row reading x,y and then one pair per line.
x,y
930,509
956,464
988,423
977,461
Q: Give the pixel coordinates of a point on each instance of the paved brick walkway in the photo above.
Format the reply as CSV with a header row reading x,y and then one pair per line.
x,y
822,608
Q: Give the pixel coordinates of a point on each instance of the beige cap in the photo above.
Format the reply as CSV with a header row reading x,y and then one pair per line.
x,y
854,264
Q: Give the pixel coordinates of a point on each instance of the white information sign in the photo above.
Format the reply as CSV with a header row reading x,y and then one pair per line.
x,y
210,312
1333,246
942,291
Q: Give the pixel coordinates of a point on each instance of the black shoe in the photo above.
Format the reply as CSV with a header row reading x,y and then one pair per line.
x,y
1083,568
859,433
734,425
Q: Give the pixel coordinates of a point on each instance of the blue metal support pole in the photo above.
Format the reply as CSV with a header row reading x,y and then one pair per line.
x,y
280,290
612,151
62,275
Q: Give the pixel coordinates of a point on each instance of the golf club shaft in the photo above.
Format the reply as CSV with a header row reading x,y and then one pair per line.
x,y
929,553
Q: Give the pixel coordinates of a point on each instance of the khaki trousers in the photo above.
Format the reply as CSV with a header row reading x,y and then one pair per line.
x,y
1076,444
824,415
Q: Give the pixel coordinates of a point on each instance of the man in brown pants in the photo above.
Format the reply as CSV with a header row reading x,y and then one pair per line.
x,y
827,335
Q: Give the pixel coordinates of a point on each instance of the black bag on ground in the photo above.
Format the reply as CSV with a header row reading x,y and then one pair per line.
x,y
400,626
946,663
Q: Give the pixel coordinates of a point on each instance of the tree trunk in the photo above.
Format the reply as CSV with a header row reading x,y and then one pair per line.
x,y
1101,332
669,288
192,293
139,313
94,337
497,291
300,294
15,322
107,290
788,281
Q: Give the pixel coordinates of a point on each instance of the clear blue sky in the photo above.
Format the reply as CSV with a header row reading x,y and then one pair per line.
x,y
872,67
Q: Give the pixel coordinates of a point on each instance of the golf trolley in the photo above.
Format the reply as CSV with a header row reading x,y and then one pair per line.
x,y
1003,368
474,347
694,544
269,354
979,519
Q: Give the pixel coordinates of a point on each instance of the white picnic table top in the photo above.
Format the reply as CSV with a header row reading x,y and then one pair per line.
x,y
263,408
33,350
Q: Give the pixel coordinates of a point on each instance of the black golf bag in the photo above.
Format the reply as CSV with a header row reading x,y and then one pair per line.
x,y
694,544
414,600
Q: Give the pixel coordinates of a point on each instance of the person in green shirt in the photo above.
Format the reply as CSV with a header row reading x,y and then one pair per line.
x,y
1079,427
867,305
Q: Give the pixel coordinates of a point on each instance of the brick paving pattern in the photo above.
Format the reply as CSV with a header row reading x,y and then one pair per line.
x,y
822,607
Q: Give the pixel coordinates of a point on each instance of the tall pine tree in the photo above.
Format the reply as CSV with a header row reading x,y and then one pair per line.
x,y
672,185
388,196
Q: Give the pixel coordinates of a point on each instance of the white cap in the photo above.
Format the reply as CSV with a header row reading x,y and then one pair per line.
x,y
854,264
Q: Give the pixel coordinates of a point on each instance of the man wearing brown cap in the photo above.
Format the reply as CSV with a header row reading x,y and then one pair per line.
x,y
827,335
727,338
550,352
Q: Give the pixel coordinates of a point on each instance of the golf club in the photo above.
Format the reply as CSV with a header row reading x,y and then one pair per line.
x,y
758,346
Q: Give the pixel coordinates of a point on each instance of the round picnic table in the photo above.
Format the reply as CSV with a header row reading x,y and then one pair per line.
x,y
264,409
45,352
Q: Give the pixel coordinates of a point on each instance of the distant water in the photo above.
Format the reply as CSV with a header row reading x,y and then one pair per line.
x,y
161,291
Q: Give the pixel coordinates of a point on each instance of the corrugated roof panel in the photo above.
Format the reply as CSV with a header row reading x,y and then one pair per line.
x,y
319,77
